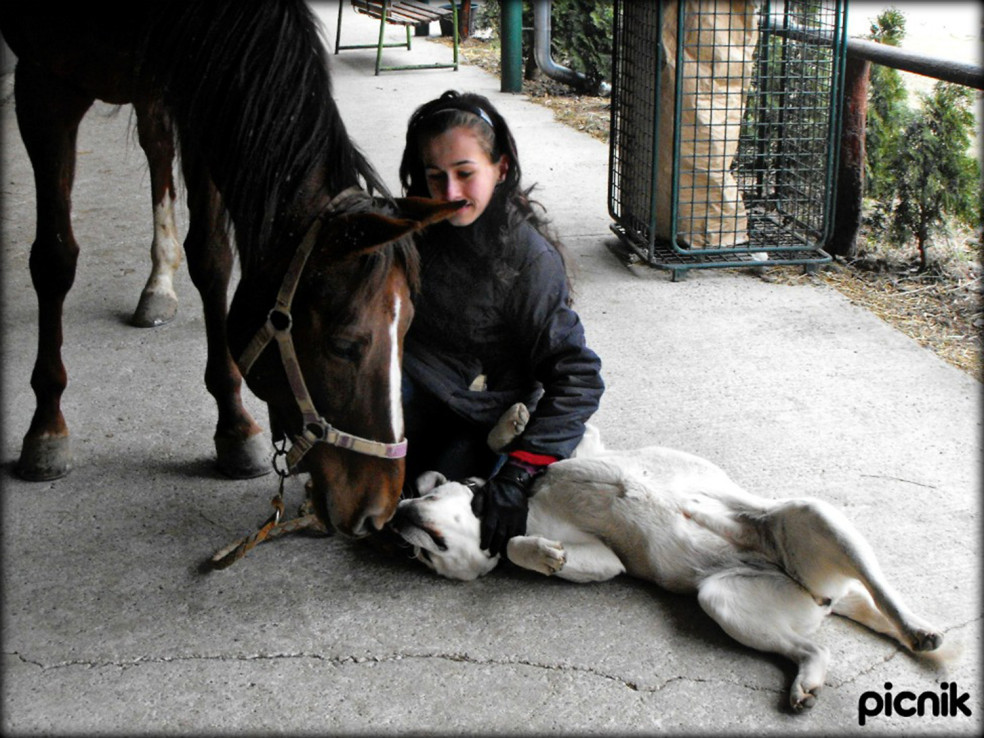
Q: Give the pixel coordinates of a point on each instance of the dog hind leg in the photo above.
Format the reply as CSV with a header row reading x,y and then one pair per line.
x,y
819,547
766,610
856,604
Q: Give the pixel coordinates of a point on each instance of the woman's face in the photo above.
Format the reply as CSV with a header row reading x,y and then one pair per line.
x,y
457,168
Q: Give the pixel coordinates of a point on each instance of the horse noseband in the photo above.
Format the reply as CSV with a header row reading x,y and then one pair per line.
x,y
278,327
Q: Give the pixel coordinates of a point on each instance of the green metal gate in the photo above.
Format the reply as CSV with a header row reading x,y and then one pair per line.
x,y
725,130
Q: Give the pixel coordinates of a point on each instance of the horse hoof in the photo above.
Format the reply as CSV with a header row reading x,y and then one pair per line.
x,y
154,309
244,459
45,458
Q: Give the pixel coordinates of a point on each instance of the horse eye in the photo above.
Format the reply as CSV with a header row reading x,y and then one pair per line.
x,y
344,348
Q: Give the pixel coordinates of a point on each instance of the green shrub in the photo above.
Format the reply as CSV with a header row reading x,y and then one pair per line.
x,y
582,38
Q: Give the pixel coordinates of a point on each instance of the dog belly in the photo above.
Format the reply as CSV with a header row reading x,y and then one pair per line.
x,y
651,535
638,505
676,556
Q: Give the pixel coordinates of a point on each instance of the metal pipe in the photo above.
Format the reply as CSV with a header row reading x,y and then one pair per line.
x,y
948,70
511,53
541,51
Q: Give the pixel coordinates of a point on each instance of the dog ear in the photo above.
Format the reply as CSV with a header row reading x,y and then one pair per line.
x,y
428,481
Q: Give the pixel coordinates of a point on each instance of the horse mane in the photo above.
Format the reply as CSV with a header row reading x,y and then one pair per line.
x,y
247,83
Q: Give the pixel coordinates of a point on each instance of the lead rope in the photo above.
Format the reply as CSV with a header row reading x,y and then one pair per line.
x,y
273,527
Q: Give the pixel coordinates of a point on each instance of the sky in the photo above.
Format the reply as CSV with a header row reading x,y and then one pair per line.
x,y
946,30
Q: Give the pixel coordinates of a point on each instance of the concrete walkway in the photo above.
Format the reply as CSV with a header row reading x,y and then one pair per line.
x,y
109,628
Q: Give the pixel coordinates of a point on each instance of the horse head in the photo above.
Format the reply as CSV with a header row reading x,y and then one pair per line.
x,y
337,397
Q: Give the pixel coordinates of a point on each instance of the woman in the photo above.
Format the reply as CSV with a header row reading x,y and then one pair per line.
x,y
493,323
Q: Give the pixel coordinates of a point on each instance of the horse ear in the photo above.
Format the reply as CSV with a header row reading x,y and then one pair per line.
x,y
426,211
358,233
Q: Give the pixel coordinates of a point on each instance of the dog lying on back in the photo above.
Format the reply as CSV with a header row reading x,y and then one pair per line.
x,y
767,571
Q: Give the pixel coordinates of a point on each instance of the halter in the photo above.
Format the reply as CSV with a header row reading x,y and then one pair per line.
x,y
278,326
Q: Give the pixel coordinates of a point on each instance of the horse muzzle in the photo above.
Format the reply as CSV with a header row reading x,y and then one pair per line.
x,y
357,498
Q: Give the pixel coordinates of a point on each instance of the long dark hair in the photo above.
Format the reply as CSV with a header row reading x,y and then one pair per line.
x,y
511,204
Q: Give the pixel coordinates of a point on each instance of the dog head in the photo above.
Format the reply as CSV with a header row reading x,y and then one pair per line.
x,y
443,530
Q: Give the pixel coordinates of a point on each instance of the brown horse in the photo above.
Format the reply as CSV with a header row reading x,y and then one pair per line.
x,y
326,271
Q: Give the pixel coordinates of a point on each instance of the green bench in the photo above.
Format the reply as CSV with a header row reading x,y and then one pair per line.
x,y
406,13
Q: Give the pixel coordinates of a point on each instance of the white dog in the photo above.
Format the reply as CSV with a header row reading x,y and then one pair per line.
x,y
768,571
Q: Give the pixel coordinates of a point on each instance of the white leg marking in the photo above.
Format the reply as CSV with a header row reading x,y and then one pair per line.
x,y
158,301
396,375
165,251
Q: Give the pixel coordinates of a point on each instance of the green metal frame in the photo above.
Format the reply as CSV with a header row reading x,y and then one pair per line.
x,y
386,17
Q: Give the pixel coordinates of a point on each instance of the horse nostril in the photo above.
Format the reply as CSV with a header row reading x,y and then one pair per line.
x,y
368,524
379,521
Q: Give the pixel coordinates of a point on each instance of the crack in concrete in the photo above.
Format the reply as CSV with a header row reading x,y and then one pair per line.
x,y
463,658
591,671
469,659
150,660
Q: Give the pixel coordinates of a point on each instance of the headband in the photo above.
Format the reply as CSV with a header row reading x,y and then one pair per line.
x,y
473,109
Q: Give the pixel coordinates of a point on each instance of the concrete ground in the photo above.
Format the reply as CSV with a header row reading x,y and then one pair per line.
x,y
109,628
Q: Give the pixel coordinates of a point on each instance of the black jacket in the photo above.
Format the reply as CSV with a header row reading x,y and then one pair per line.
x,y
504,316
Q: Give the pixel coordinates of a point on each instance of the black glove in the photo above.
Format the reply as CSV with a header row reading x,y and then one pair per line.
x,y
502,506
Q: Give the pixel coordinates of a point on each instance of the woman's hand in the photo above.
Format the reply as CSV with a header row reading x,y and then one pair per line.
x,y
502,506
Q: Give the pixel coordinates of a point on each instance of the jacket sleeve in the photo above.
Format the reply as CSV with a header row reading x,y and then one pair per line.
x,y
551,334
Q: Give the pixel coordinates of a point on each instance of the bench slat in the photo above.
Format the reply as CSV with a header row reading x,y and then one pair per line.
x,y
402,12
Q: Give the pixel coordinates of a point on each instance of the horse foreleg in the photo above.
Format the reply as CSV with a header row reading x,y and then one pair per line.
x,y
48,115
158,301
241,450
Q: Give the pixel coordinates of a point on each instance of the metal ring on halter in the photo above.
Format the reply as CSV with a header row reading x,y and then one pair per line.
x,y
319,429
283,315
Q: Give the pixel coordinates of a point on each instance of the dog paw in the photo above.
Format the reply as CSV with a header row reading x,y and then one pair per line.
x,y
552,556
510,426
802,697
537,554
809,680
925,639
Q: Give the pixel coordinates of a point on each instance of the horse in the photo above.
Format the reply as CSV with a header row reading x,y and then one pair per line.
x,y
326,269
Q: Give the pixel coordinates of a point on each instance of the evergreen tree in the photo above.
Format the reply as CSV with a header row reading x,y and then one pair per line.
x,y
888,110
935,177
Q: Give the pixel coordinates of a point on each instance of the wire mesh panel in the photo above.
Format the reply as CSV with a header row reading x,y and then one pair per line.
x,y
724,130
633,154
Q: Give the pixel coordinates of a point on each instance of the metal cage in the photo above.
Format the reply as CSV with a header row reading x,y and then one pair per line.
x,y
723,147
